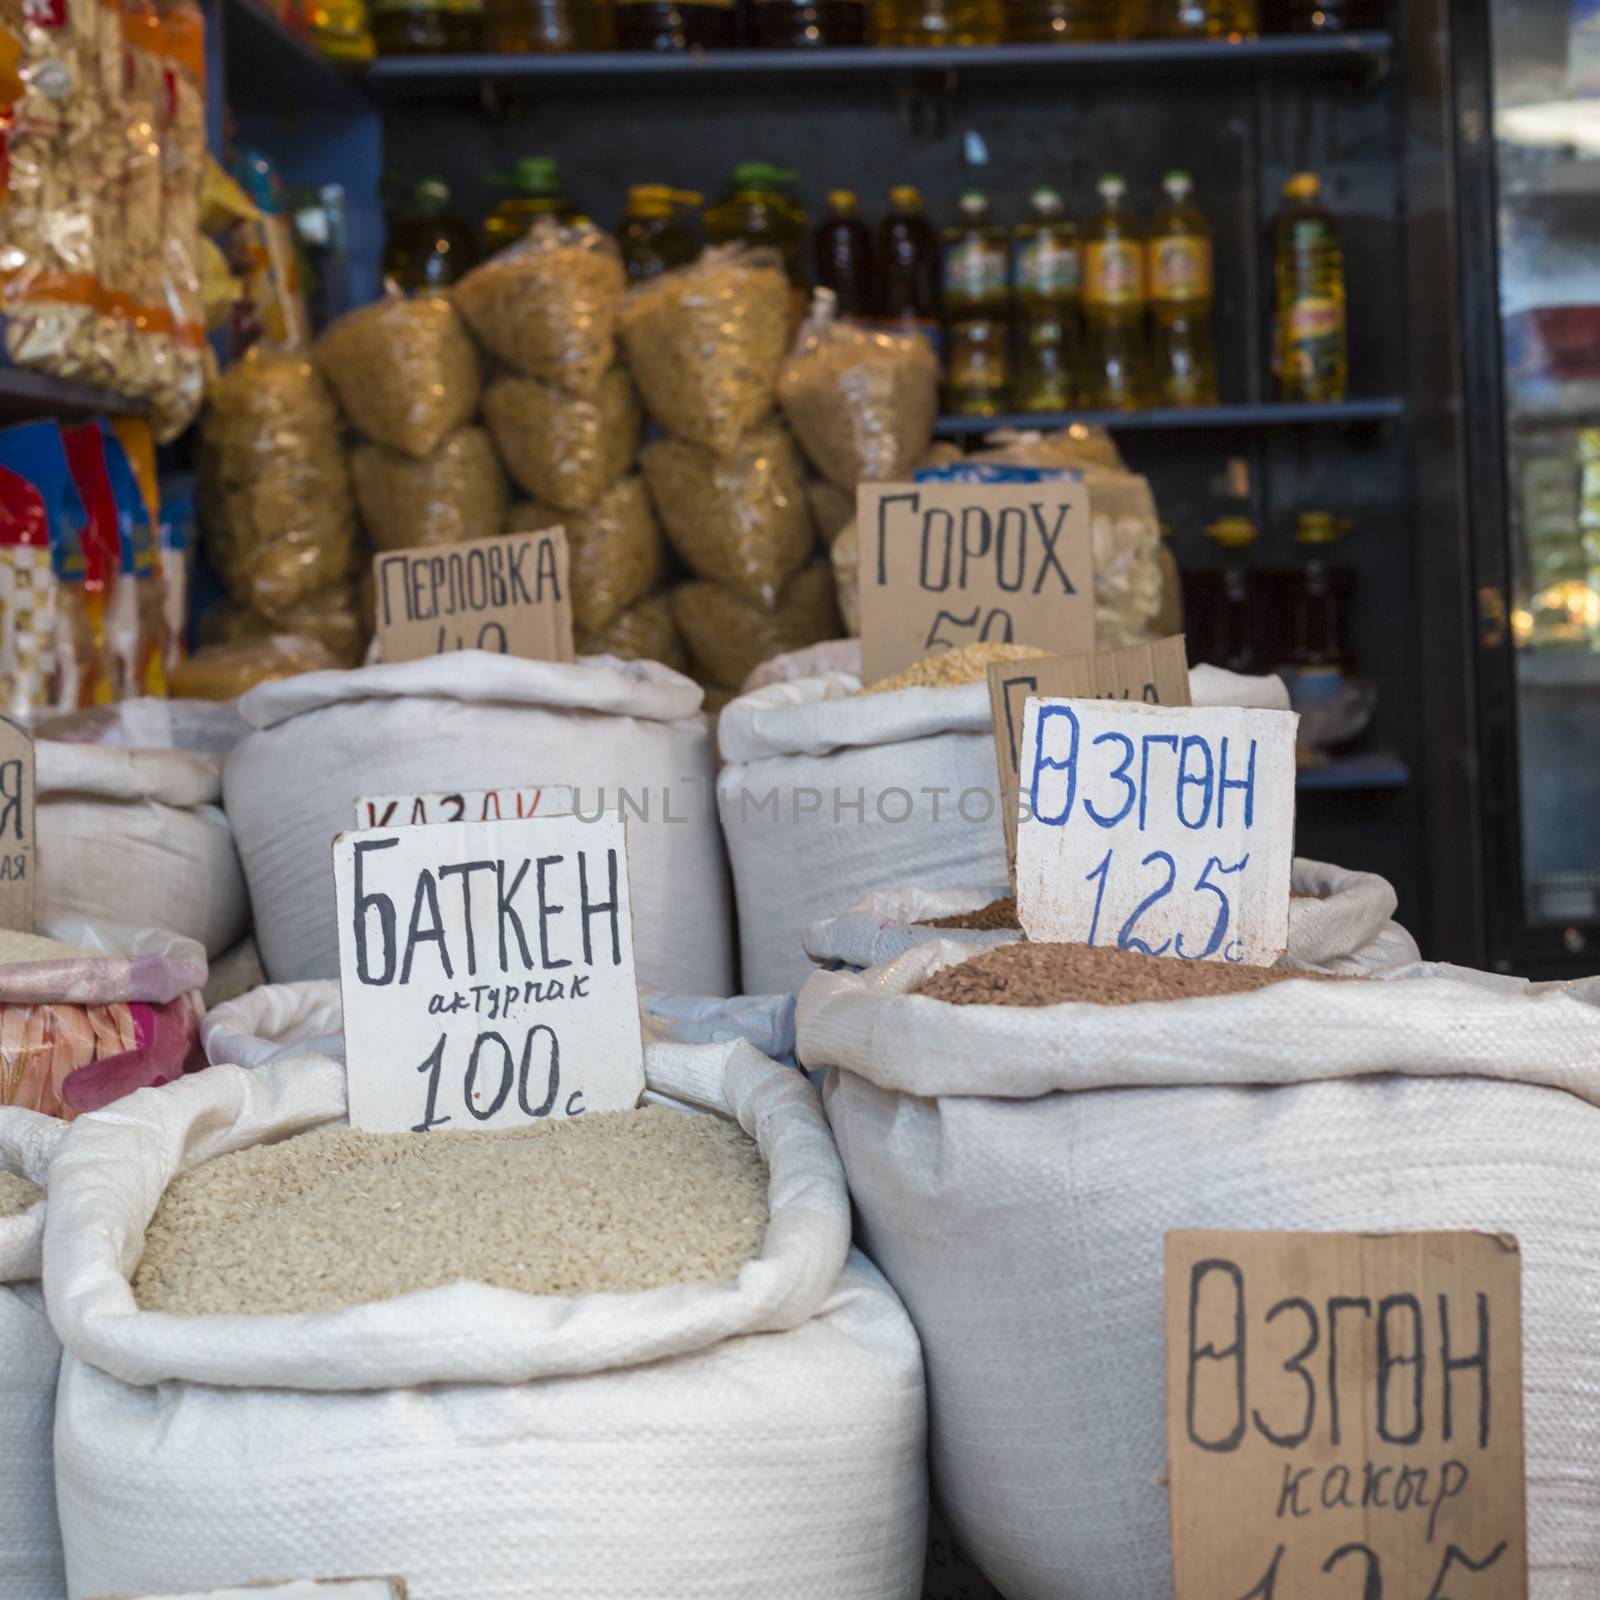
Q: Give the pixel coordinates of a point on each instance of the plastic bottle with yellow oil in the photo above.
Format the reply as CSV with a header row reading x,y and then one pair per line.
x,y
1070,21
1183,360
977,299
1047,257
756,209
655,235
1116,356
1200,19
1310,336
941,22
1235,631
535,191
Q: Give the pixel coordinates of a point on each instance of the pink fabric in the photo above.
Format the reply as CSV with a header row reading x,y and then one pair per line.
x,y
168,1045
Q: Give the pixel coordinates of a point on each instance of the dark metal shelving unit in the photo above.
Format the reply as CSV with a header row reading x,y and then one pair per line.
x,y
1249,414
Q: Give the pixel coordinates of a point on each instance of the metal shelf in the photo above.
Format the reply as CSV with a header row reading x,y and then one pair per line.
x,y
1259,414
271,69
436,77
1369,769
25,396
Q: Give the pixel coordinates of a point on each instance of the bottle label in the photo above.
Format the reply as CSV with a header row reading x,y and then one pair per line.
x,y
975,269
1113,273
975,357
1312,337
1050,268
1180,269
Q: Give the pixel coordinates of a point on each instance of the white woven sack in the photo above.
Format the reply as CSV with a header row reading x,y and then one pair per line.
x,y
138,836
1015,1170
30,1541
826,796
1339,922
701,1442
274,1022
470,720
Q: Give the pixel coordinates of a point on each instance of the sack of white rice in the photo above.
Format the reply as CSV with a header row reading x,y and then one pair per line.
x,y
1002,1158
707,1437
1339,922
472,720
828,794
30,1540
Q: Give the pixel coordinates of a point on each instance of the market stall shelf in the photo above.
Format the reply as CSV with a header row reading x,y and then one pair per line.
x,y
1255,414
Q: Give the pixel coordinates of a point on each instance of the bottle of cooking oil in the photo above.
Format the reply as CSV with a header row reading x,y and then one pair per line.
x,y
535,191
1178,270
429,247
842,256
1200,19
756,209
977,298
953,22
655,235
1235,632
808,24
1069,21
1047,269
672,25
1116,352
1310,350
906,258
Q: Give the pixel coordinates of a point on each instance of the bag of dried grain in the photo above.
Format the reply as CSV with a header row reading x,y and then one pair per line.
x,y
235,972
471,720
862,404
676,1454
564,450
455,493
1339,922
739,519
405,371
547,305
729,638
1059,1142
832,509
137,836
644,631
274,492
614,550
226,671
828,794
705,342
31,1565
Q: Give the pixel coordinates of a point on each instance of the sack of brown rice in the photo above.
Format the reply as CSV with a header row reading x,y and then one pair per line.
x,y
828,794
31,1566
729,638
738,519
862,404
565,451
455,493
614,550
681,1444
405,371
546,306
644,631
1060,1143
705,342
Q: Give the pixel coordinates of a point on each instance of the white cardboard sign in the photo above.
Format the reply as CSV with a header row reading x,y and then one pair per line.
x,y
487,973
1165,830
465,805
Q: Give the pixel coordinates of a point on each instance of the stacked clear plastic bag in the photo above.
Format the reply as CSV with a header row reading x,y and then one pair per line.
x,y
705,343
456,493
862,404
406,372
645,631
546,306
564,450
739,519
730,638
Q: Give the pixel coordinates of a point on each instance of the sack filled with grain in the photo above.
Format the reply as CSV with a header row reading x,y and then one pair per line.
x,y
705,342
740,519
729,637
1339,922
275,1022
1060,1142
678,1436
454,493
643,631
405,371
828,794
225,671
31,1565
546,306
471,720
564,450
615,555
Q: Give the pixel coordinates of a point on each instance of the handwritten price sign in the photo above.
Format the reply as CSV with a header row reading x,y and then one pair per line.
x,y
1168,831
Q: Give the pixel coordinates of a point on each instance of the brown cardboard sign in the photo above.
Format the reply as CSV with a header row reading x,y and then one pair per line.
x,y
949,564
1344,1416
508,594
16,828
1156,674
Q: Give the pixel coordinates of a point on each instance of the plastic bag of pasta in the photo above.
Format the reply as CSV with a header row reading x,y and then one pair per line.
x,y
274,493
405,371
564,450
832,509
546,306
739,519
730,638
862,404
614,550
704,344
457,492
644,632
